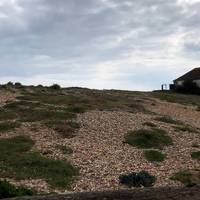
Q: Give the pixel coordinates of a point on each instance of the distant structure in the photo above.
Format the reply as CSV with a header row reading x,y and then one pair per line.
x,y
193,75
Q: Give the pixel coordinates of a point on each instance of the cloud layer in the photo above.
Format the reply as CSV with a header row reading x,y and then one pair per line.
x,y
127,44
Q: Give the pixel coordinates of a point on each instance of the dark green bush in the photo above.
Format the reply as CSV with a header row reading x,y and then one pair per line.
x,y
196,155
8,190
55,87
17,84
140,179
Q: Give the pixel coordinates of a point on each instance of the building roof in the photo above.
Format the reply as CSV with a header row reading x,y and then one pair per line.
x,y
191,75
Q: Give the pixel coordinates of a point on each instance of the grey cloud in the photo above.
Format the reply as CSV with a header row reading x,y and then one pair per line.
x,y
80,35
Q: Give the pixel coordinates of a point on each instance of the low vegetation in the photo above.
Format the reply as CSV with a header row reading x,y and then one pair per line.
x,y
185,129
196,155
150,124
187,177
154,156
8,125
64,149
144,138
141,179
18,162
8,190
177,98
168,120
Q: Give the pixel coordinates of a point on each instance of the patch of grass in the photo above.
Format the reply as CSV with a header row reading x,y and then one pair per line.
x,y
8,125
196,155
143,138
185,128
64,149
7,190
64,128
177,98
150,124
6,115
169,120
17,162
187,177
154,156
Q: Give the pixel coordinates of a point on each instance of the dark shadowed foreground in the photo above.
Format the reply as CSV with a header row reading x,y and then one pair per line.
x,y
137,194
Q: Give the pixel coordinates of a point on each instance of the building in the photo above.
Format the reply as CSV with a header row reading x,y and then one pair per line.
x,y
193,75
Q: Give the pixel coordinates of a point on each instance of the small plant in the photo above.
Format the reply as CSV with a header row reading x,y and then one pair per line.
x,y
140,179
64,149
154,156
10,84
6,126
185,128
55,87
18,84
196,155
169,120
76,109
8,190
143,138
150,124
187,177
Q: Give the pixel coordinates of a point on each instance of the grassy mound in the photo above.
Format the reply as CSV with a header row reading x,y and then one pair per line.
x,y
143,138
18,162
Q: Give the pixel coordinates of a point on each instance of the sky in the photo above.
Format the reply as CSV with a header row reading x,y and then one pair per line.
x,y
103,44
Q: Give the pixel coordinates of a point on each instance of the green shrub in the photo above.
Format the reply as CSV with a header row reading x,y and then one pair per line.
x,y
6,126
8,190
150,124
196,155
55,87
169,120
140,179
18,84
143,138
153,155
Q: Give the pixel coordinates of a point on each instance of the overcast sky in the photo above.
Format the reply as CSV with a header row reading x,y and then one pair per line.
x,y
120,44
